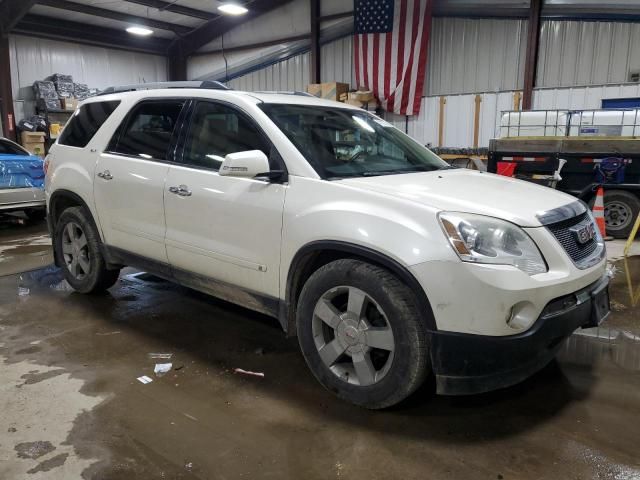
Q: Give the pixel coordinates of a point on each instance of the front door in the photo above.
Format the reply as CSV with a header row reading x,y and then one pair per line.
x,y
130,179
223,228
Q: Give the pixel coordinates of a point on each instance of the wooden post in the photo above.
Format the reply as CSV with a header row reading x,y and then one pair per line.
x,y
476,121
443,102
516,100
531,62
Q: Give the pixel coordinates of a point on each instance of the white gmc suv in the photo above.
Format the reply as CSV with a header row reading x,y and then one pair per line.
x,y
387,264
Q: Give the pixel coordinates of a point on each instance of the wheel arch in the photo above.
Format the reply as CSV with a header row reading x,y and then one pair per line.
x,y
315,254
58,202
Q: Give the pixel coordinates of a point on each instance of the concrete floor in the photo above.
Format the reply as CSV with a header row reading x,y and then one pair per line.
x,y
71,407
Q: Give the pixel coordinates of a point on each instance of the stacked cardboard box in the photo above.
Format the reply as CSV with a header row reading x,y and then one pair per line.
x,y
329,90
33,142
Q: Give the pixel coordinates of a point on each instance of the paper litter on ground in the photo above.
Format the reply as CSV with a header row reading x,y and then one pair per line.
x,y
162,368
166,356
247,372
144,379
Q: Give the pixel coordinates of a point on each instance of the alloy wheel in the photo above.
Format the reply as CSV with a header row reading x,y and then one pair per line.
x,y
353,336
75,251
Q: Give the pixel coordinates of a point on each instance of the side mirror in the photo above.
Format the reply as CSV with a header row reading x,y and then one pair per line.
x,y
244,164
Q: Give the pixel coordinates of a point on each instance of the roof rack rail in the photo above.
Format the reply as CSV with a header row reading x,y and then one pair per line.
x,y
210,84
285,92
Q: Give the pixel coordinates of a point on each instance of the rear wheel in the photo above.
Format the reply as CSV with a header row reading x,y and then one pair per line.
x,y
78,252
361,333
621,209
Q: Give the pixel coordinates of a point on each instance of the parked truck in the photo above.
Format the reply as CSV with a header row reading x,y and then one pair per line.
x,y
576,151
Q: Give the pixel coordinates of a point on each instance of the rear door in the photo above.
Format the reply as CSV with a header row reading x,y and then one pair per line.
x,y
130,178
220,227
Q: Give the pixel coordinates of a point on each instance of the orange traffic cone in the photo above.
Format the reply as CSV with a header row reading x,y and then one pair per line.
x,y
598,211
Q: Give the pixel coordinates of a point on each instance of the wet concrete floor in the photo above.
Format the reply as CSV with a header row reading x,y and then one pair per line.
x,y
71,407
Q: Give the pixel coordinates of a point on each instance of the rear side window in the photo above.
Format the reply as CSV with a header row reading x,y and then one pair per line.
x,y
84,124
148,129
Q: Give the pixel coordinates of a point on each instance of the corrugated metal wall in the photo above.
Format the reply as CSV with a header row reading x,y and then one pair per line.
x,y
293,73
458,119
587,53
336,61
35,58
290,74
475,55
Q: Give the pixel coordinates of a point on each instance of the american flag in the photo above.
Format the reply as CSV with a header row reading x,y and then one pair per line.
x,y
390,48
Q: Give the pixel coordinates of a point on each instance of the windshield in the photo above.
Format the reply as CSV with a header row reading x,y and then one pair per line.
x,y
342,143
9,148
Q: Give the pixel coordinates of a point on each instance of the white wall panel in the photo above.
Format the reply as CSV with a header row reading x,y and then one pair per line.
x,y
475,55
587,53
34,59
290,74
581,97
336,61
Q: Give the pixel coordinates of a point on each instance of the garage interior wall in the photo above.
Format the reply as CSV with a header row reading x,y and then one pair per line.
x,y
580,63
35,58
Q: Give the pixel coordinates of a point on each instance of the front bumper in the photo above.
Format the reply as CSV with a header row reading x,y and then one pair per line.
x,y
467,364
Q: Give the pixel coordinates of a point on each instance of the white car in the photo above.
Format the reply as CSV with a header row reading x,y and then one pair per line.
x,y
387,264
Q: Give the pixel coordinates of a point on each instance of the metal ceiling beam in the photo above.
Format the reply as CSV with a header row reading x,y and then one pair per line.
x,y
172,7
222,24
11,12
113,15
47,27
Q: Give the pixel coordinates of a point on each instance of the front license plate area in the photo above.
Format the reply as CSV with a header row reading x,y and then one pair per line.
x,y
600,308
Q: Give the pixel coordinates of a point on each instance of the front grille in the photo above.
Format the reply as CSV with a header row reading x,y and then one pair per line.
x,y
578,252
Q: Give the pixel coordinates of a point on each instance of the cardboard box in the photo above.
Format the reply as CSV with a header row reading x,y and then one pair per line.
x,y
315,89
31,137
361,95
69,103
333,90
329,90
33,142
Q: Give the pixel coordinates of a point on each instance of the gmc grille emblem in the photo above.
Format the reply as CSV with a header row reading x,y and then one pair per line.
x,y
583,232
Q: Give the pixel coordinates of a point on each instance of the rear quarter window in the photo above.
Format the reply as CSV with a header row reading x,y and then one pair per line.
x,y
84,124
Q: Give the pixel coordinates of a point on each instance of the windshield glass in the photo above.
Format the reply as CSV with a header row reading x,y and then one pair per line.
x,y
342,143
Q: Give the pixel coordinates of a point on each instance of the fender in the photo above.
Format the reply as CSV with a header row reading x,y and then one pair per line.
x,y
52,214
286,316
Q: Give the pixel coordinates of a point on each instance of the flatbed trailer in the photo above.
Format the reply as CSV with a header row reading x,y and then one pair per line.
x,y
537,158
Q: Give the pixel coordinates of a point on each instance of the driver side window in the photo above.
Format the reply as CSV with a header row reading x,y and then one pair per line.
x,y
217,130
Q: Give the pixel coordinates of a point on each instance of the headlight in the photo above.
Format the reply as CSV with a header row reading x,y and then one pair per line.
x,y
480,239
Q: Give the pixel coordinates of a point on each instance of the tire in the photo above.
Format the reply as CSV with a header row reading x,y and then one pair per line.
x,y
76,237
388,372
621,209
36,214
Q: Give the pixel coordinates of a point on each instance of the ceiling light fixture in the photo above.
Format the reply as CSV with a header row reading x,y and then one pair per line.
x,y
232,9
140,31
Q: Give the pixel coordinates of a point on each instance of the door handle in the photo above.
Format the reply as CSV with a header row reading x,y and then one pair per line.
x,y
106,175
182,190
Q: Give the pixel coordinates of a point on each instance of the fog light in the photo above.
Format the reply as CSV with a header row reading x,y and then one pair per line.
x,y
522,316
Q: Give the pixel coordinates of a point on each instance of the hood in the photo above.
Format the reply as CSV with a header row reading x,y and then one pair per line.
x,y
463,190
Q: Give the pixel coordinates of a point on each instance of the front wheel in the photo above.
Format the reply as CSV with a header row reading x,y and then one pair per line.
x,y
78,252
361,333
